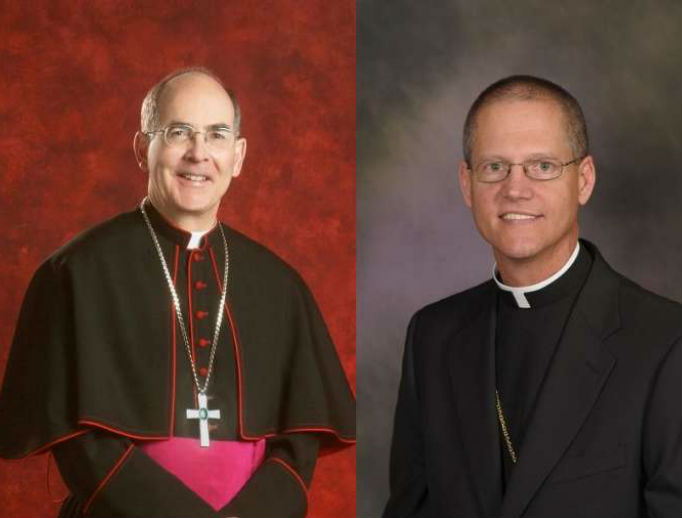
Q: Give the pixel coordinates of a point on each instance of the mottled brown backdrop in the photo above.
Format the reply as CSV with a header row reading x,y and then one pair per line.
x,y
72,77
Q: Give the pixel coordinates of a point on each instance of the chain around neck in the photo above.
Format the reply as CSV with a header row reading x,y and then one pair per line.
x,y
176,301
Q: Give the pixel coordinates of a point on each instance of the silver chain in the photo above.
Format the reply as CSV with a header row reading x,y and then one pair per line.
x,y
176,302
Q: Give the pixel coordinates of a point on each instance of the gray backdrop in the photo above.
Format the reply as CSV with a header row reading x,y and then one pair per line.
x,y
420,65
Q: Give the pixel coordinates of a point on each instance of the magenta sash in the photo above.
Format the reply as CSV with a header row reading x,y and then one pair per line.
x,y
216,473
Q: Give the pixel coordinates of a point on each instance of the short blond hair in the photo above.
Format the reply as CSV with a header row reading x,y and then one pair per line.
x,y
530,88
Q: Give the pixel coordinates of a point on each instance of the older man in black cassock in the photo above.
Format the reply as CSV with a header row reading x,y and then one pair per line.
x,y
553,389
177,368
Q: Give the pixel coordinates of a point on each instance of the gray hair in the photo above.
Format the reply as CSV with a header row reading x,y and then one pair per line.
x,y
149,117
530,88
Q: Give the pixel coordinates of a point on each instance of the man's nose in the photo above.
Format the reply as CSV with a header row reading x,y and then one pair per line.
x,y
197,147
517,184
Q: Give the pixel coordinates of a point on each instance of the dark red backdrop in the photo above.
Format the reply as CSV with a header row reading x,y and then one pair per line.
x,y
72,76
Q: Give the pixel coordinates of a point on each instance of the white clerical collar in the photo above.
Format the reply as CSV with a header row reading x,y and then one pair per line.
x,y
195,240
519,292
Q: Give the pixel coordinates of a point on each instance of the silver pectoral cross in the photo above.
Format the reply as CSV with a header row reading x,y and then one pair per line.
x,y
203,414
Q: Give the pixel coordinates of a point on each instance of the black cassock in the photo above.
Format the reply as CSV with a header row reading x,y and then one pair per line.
x,y
98,366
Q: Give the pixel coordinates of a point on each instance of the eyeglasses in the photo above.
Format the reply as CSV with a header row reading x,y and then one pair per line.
x,y
541,169
180,135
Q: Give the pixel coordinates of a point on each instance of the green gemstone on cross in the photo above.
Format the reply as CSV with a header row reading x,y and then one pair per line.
x,y
203,413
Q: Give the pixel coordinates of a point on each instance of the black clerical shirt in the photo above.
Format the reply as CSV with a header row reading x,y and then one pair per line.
x,y
525,341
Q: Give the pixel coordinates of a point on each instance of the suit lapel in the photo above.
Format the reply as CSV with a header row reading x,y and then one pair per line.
x,y
472,368
576,375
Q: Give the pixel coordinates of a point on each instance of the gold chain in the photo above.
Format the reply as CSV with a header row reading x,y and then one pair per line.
x,y
503,425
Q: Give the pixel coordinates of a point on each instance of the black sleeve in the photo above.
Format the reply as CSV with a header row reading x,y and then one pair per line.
x,y
407,482
279,486
110,477
662,441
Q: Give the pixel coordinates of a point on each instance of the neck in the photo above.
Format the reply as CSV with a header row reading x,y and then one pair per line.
x,y
525,272
187,222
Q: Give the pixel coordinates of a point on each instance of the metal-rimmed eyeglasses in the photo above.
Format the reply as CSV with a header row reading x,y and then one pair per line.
x,y
217,138
542,169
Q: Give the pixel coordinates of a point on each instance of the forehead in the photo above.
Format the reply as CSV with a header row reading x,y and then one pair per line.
x,y
197,99
521,127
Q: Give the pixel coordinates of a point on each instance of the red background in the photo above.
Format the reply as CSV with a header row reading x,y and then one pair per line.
x,y
72,77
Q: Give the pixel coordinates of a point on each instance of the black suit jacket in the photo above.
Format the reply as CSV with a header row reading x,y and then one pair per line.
x,y
604,439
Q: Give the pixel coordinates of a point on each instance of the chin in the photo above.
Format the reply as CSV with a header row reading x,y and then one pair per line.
x,y
195,203
517,251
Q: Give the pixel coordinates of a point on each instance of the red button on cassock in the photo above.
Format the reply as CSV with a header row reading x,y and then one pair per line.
x,y
203,342
201,314
199,285
198,256
203,371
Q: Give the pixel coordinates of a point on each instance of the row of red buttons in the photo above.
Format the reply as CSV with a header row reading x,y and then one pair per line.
x,y
200,315
203,343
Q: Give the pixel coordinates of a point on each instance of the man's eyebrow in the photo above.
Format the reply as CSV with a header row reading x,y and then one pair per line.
x,y
216,126
532,156
219,125
542,156
492,157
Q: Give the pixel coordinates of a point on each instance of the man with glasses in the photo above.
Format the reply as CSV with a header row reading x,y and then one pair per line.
x,y
552,389
173,366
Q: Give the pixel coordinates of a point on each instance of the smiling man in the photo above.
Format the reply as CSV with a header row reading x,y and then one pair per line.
x,y
178,368
552,389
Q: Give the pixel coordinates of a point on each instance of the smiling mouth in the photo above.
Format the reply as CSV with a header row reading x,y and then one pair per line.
x,y
199,178
516,216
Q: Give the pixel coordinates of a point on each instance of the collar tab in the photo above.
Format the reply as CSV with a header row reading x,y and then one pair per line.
x,y
174,233
519,292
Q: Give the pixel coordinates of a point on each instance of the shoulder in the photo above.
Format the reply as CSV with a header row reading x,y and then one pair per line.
x,y
107,238
646,312
89,252
259,265
647,322
638,307
455,311
637,300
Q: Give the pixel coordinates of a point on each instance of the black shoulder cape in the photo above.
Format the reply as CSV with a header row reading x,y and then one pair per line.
x,y
93,347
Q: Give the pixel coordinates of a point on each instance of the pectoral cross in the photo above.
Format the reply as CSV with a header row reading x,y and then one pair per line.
x,y
203,414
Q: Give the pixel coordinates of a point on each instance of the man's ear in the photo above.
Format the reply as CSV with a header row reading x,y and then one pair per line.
x,y
465,182
140,147
587,176
239,155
